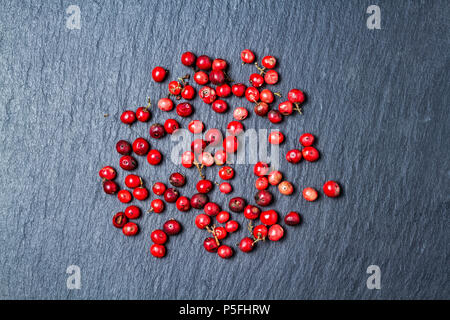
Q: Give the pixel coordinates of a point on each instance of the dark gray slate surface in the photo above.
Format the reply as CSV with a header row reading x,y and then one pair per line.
x,y
378,101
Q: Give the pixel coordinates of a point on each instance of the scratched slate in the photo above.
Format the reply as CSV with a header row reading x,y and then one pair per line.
x,y
377,101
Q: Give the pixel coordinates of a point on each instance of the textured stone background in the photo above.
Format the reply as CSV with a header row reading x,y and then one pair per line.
x,y
378,101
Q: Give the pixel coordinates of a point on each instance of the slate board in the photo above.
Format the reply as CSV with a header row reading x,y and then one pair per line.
x,y
377,101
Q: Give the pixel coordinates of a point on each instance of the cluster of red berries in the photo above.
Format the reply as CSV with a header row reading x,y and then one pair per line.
x,y
216,85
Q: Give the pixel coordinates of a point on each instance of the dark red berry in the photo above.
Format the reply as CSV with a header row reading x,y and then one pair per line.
x,y
119,220
217,77
276,232
251,212
256,80
171,125
184,109
231,226
128,163
223,90
246,244
158,74
132,212
263,198
140,193
204,186
225,252
292,218
223,217
171,195
210,245
172,227
199,200
154,157
183,204
252,94
188,92
108,173
159,188
158,236
226,173
204,62
188,59
260,231
128,117
212,209
207,94
202,221
177,179
219,64
141,146
306,139
310,154
294,156
133,181
158,250
274,116
123,147
261,109
157,131
238,89
331,189
124,196
237,204
201,78
219,106
130,229
157,206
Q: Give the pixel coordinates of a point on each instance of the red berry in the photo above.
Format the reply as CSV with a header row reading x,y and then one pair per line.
x,y
220,233
276,137
271,77
275,177
251,212
133,181
128,117
219,106
296,96
130,229
171,125
158,236
183,204
306,139
225,187
263,198
240,113
235,128
269,62
310,194
286,188
188,59
225,252
132,212
140,193
220,157
172,227
198,145
219,64
256,80
252,94
261,183
207,94
171,195
292,218
154,157
201,78
187,159
261,169
331,189
310,154
110,187
223,90
226,173
286,108
212,209
206,159
238,89
157,131
223,217
237,204
142,114
260,231
276,232
269,217
210,245
177,179
188,92
294,156
204,62
119,220
274,116
158,74
159,188
165,104
175,88
196,126
247,56
123,147
204,186
230,144
202,220
217,77
213,136
108,173
266,96
261,109
231,226
184,109
128,163
246,244
141,146
199,200
157,206
158,250
124,196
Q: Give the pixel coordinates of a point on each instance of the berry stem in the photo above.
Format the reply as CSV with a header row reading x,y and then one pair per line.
x,y
261,70
213,231
149,103
199,168
298,108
